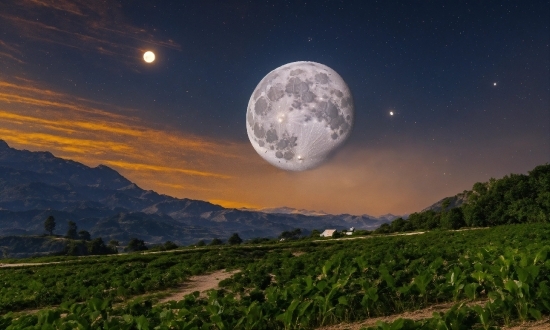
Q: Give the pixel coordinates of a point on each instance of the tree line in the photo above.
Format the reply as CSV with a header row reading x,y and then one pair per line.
x,y
513,199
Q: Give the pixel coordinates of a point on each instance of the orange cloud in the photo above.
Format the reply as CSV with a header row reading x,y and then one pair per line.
x,y
16,98
146,167
96,136
76,145
71,126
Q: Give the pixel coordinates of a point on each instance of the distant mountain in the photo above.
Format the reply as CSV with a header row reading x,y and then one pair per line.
x,y
288,210
454,201
34,185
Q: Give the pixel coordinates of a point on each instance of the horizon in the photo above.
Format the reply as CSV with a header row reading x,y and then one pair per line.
x,y
271,209
444,96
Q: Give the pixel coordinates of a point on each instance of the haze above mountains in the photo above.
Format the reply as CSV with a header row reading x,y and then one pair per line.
x,y
34,185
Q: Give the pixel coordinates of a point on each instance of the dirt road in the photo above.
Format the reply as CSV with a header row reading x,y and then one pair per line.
x,y
200,283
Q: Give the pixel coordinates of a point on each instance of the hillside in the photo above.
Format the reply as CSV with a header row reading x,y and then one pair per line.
x,y
35,185
513,199
27,246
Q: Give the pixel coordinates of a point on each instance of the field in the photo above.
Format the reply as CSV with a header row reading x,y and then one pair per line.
x,y
301,284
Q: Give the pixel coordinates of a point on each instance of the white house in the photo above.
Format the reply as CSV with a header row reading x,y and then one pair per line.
x,y
350,231
328,233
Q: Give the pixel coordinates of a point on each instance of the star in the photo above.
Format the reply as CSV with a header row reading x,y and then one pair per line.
x,y
494,84
391,113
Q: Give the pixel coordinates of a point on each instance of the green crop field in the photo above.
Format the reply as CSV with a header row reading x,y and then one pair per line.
x,y
328,282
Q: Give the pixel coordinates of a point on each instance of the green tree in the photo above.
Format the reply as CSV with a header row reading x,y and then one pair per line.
x,y
201,243
398,225
114,243
84,235
169,245
76,248
315,233
234,239
135,245
338,234
383,229
446,203
49,224
97,246
453,219
71,231
294,234
216,241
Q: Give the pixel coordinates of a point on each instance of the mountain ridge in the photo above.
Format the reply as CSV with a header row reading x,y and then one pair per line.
x,y
34,185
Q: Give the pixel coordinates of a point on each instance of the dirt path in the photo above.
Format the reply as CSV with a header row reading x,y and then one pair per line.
x,y
199,283
543,324
390,235
31,264
414,315
426,313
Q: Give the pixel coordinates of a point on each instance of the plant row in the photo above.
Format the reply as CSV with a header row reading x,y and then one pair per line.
x,y
348,281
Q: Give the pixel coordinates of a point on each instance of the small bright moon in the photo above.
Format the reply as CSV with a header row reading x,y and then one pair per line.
x,y
391,113
149,56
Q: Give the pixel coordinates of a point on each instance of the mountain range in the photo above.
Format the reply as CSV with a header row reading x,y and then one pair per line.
x,y
35,185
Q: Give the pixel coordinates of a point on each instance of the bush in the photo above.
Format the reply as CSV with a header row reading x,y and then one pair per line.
x,y
135,245
216,241
234,239
169,245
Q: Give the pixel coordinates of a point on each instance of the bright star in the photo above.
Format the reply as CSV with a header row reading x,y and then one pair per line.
x,y
391,113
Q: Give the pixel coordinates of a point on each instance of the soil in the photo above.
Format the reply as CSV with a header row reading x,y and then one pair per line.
x,y
199,283
413,315
425,313
543,324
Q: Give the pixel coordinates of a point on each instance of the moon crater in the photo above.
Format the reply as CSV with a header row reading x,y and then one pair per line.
x,y
299,114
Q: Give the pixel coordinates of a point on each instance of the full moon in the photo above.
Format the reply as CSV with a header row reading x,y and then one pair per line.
x,y
149,56
299,114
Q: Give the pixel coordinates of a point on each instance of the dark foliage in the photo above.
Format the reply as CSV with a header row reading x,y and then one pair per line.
x,y
84,235
515,198
216,241
169,245
290,235
49,224
234,239
135,245
72,230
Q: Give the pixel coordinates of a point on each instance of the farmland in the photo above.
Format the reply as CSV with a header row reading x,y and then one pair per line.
x,y
296,285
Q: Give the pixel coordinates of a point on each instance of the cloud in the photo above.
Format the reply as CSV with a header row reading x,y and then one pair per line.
x,y
11,92
30,118
156,168
102,28
63,143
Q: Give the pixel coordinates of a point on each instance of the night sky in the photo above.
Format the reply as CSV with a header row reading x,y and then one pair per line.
x,y
468,83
